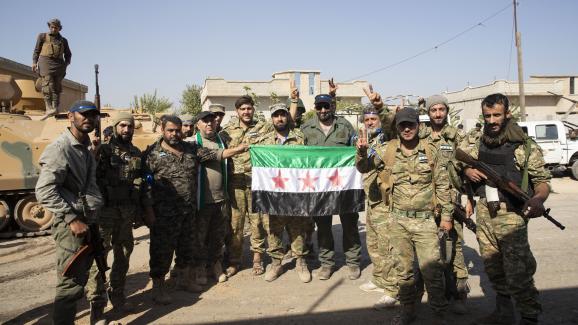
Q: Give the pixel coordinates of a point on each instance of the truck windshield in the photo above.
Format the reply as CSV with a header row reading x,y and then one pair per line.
x,y
546,132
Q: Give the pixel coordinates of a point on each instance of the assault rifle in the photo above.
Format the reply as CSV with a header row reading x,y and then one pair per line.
x,y
502,183
94,248
461,216
97,103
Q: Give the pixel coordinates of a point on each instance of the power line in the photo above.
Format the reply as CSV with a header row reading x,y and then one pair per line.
x,y
481,23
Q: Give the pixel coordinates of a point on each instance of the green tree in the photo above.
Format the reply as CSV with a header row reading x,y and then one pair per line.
x,y
191,100
274,98
348,107
250,92
150,103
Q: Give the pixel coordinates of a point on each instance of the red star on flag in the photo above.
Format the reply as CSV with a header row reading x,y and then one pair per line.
x,y
279,181
308,181
335,179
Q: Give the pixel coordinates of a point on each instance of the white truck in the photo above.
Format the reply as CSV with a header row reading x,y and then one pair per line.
x,y
558,141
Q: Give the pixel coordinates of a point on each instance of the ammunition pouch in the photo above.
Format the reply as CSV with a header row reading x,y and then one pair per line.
x,y
384,182
51,49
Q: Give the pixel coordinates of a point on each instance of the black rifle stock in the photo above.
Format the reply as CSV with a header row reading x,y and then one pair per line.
x,y
461,216
501,182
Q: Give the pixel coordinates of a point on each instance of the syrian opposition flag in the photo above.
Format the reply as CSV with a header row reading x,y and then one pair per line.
x,y
305,180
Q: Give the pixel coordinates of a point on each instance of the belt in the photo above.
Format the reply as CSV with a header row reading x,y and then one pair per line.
x,y
412,214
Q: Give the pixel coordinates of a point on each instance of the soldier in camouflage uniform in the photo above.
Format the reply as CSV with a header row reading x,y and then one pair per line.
x,y
413,183
119,178
284,134
67,169
378,221
212,222
50,58
473,136
326,129
446,139
244,130
170,168
503,223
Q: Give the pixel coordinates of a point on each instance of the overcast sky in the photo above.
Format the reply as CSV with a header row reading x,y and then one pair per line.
x,y
165,45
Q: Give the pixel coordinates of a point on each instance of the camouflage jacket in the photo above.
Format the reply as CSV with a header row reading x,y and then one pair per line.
x,y
415,184
295,137
171,180
370,185
537,173
67,168
119,173
341,133
446,143
233,134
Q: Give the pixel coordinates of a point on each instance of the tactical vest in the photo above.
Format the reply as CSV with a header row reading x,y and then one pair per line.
x,y
52,47
502,160
123,178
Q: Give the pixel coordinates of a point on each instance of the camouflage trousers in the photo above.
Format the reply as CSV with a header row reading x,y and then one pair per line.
x,y
69,289
508,260
351,241
211,229
411,236
115,224
380,249
52,85
171,235
241,207
296,229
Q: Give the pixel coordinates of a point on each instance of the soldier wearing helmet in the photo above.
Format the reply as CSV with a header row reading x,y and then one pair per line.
x,y
50,58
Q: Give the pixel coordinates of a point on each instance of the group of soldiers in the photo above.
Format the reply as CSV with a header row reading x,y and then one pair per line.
x,y
192,188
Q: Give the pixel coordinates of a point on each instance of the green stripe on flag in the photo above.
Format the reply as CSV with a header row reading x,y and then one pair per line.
x,y
302,156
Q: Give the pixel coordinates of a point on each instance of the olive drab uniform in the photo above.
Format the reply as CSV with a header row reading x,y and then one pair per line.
x,y
412,185
446,143
378,222
52,55
119,178
296,226
503,239
240,190
67,168
340,134
171,190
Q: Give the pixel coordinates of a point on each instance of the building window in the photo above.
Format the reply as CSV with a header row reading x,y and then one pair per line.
x,y
311,83
297,78
546,132
572,85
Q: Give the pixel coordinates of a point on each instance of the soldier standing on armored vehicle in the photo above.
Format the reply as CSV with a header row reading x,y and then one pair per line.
x,y
67,187
50,58
119,179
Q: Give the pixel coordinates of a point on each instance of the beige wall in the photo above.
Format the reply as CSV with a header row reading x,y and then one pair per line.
x,y
542,98
33,101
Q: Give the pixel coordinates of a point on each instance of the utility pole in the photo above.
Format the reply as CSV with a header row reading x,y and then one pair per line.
x,y
521,94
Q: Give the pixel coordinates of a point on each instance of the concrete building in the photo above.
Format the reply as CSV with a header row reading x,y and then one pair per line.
x,y
547,98
32,101
226,92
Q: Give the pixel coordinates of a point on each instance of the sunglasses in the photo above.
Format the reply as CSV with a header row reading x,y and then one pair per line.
x,y
322,106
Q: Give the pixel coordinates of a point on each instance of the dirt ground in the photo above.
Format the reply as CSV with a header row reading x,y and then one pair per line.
x,y
27,278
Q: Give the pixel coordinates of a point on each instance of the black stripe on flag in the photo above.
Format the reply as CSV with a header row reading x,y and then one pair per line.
x,y
308,204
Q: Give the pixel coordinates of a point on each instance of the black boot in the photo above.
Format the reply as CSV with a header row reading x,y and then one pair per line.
x,y
502,315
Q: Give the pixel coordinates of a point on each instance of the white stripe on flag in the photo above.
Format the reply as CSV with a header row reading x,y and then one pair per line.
x,y
303,180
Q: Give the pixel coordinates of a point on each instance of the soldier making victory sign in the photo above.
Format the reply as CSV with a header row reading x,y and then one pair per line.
x,y
413,183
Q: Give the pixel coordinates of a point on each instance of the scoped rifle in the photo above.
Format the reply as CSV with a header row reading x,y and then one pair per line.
x,y
501,182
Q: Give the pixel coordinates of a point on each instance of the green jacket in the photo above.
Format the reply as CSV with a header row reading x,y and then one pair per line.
x,y
341,133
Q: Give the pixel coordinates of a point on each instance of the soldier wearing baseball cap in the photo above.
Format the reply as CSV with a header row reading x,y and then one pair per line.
x,y
219,111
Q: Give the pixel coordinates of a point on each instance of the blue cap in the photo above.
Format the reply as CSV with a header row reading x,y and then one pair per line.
x,y
323,98
82,106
